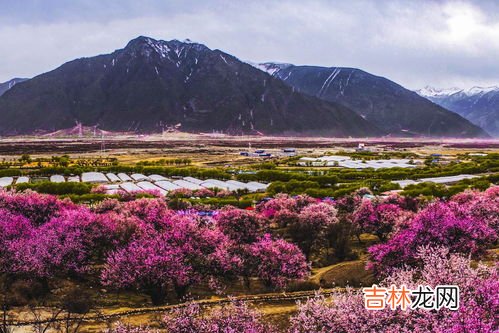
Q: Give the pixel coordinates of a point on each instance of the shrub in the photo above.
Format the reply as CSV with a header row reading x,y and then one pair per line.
x,y
57,188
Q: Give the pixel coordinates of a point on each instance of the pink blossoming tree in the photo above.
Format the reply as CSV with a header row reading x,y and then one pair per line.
x,y
277,262
436,225
345,312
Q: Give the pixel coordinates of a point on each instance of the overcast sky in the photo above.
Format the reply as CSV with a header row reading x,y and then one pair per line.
x,y
415,43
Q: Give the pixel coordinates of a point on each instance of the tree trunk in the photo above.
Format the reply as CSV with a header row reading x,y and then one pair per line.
x,y
247,283
4,319
181,291
158,295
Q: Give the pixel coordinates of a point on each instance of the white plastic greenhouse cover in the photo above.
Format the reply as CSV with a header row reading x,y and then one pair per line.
x,y
150,186
447,179
93,177
157,178
74,179
258,185
188,185
236,183
209,184
405,182
112,177
6,181
130,187
57,179
249,187
193,180
214,183
112,188
124,177
22,179
139,177
167,185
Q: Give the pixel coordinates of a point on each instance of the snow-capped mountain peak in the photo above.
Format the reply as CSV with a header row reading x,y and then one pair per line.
x,y
479,105
270,67
429,91
480,90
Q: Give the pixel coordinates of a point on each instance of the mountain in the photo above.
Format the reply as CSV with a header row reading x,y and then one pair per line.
x,y
152,84
9,84
388,105
479,105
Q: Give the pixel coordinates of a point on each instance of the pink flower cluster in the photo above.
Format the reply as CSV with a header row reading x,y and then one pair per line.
x,y
439,224
140,244
345,312
234,317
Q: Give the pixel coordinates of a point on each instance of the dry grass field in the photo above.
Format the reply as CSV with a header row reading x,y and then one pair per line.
x,y
217,150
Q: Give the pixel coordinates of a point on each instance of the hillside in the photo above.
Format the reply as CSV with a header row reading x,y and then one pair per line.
x,y
385,103
479,105
9,84
151,85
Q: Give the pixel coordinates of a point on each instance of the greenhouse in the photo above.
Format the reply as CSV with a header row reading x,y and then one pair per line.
x,y
124,177
22,179
193,180
167,185
139,177
112,177
188,185
74,179
6,181
157,178
57,179
130,187
93,177
148,186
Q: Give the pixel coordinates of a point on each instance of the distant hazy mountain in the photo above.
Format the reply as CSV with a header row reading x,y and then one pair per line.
x,y
9,84
479,105
383,102
151,84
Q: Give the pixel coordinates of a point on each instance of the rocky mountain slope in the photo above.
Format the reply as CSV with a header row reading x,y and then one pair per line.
x,y
385,103
9,84
152,84
479,105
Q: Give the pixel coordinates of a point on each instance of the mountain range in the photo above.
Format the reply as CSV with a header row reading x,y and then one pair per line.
x,y
388,105
480,105
150,85
9,84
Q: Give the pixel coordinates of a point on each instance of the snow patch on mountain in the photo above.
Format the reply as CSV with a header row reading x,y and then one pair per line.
x,y
481,90
429,91
269,67
10,84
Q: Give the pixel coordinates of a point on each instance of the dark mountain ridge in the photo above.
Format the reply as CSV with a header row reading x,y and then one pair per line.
x,y
479,105
10,84
388,105
151,84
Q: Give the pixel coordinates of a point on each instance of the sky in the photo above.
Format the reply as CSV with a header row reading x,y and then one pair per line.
x,y
442,43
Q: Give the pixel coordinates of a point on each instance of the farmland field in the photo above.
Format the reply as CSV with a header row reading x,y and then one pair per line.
x,y
68,250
